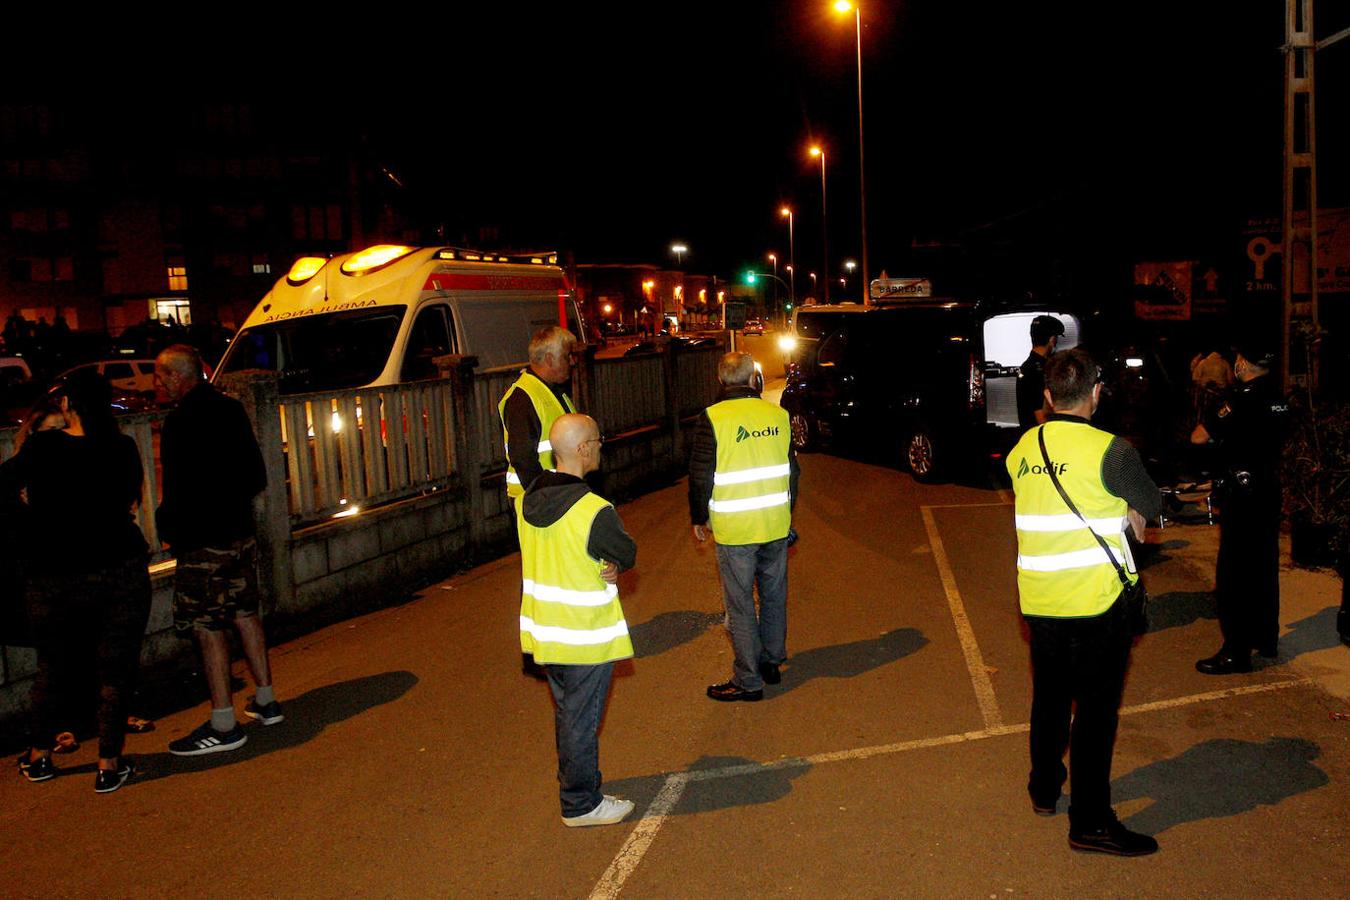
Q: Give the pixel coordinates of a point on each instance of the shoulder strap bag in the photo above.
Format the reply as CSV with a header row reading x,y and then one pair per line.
x,y
1132,592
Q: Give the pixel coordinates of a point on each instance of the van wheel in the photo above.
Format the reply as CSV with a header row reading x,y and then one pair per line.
x,y
923,454
803,429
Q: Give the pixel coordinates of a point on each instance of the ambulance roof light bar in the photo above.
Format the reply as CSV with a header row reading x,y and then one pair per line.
x,y
536,258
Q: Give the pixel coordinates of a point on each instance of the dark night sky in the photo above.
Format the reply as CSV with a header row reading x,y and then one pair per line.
x,y
613,129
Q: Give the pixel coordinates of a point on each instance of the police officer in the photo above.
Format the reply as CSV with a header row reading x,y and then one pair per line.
x,y
1031,406
1249,428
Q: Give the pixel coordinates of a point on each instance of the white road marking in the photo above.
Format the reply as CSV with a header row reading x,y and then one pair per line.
x,y
979,673
633,849
631,853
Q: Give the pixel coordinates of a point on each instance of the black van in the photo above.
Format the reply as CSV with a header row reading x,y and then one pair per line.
x,y
930,383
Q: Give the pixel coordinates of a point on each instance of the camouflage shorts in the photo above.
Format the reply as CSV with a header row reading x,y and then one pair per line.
x,y
214,586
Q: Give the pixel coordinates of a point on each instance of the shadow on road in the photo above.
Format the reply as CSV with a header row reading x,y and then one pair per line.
x,y
1316,632
849,660
672,629
1176,609
1217,779
306,716
754,784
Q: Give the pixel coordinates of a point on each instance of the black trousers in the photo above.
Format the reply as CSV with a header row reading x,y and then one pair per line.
x,y
79,618
1078,674
1247,575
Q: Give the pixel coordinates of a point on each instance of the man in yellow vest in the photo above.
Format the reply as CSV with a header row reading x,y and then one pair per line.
x,y
532,404
742,485
572,549
1070,596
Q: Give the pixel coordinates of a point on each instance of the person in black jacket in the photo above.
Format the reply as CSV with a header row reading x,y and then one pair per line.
x,y
1032,408
88,585
1250,427
212,471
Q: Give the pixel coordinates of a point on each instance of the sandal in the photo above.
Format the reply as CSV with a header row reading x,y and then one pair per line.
x,y
137,725
65,743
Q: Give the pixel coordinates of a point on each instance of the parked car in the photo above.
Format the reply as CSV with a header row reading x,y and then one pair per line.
x,y
930,382
753,326
131,376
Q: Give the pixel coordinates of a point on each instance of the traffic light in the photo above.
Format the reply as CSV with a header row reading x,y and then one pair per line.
x,y
749,277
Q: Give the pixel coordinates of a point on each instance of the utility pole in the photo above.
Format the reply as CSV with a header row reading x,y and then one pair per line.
x,y
1299,219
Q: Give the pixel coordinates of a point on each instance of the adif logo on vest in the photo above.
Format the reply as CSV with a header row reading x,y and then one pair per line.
x,y
1023,469
742,433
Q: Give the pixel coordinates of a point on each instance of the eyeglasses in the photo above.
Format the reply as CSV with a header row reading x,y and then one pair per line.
x,y
595,440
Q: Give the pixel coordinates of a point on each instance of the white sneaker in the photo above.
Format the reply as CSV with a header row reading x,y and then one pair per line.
x,y
610,811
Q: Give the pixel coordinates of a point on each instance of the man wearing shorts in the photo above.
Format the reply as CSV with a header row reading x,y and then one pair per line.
x,y
212,471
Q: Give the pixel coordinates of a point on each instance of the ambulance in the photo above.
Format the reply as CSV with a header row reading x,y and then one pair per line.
x,y
381,316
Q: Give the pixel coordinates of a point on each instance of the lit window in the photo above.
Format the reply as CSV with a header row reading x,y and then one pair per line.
x,y
262,268
178,278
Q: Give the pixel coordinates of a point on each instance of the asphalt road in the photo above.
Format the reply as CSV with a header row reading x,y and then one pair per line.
x,y
417,760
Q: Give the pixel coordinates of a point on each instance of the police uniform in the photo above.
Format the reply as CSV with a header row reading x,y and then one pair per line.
x,y
1249,427
1030,389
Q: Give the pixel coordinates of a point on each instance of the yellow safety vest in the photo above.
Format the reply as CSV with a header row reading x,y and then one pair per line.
x,y
547,408
750,502
568,614
1062,572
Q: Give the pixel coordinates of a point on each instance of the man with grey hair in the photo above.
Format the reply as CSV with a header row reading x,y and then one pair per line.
x,y
742,486
213,468
532,404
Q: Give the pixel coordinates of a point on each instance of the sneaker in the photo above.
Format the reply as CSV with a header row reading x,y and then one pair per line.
x,y
610,811
207,740
39,769
268,713
109,780
1113,838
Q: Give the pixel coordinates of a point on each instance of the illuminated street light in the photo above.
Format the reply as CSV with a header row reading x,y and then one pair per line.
x,y
679,250
813,281
608,308
792,256
773,258
843,6
824,222
849,266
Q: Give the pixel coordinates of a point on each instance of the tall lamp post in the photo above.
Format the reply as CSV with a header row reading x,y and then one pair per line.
x,y
813,282
845,6
773,258
679,250
792,258
824,224
849,266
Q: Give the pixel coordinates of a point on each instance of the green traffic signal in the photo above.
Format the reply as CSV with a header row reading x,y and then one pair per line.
x,y
749,277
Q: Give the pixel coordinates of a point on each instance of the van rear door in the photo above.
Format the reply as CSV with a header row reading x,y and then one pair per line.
x,y
1007,343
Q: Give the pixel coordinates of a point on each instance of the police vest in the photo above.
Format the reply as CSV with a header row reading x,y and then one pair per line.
x,y
568,614
547,408
1062,572
750,502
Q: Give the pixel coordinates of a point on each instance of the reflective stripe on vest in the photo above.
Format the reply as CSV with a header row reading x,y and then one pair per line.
x,y
568,614
1062,571
750,502
547,408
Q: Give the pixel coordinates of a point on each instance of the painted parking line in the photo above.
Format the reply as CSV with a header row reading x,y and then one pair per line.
x,y
970,648
635,848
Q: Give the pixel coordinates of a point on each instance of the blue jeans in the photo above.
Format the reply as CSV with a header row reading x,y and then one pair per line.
x,y
579,694
755,637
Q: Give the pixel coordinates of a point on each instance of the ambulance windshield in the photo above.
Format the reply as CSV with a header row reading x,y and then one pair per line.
x,y
320,352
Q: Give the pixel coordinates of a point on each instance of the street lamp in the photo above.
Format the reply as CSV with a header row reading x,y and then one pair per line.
x,y
824,223
813,282
773,258
844,6
792,256
849,266
679,250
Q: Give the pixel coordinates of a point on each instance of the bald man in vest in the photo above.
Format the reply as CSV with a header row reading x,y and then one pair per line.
x,y
742,485
1070,595
532,404
572,549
